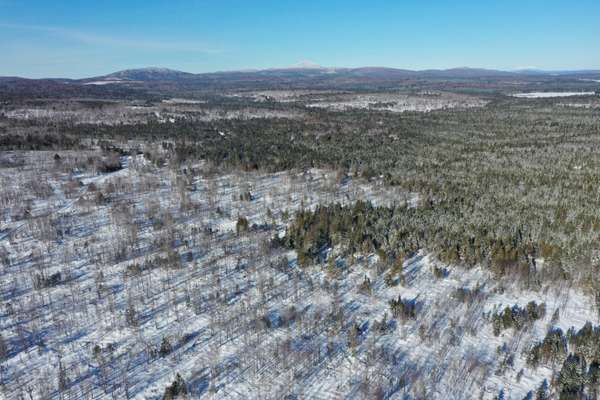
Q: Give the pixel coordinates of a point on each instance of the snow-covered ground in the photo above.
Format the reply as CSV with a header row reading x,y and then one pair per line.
x,y
397,102
284,96
183,101
544,95
168,111
248,113
148,254
105,82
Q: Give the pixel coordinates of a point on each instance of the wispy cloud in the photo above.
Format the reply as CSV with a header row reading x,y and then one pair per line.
x,y
114,41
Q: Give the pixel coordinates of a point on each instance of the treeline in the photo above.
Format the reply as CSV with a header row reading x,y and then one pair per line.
x,y
47,141
275,144
579,354
394,232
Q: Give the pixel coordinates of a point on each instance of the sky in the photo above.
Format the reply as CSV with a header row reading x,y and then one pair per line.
x,y
75,39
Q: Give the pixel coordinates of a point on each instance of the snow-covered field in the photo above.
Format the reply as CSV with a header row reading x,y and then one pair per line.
x,y
248,113
147,255
545,95
396,102
105,82
284,96
385,101
183,101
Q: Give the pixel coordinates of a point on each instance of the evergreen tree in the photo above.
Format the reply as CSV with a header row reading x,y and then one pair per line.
x,y
63,380
542,391
3,348
570,382
177,389
242,225
165,347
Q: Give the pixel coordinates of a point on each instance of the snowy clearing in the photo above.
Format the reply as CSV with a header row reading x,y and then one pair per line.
x,y
106,82
395,102
544,95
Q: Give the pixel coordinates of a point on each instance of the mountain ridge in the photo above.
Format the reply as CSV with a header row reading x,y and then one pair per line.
x,y
152,81
167,74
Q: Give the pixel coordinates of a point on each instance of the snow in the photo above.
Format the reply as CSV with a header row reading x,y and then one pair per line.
x,y
114,113
106,82
98,228
449,349
183,101
397,102
544,95
284,96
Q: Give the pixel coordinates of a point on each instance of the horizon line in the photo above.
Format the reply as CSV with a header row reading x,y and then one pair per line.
x,y
313,66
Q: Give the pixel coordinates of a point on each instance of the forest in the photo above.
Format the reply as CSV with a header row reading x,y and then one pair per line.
x,y
300,243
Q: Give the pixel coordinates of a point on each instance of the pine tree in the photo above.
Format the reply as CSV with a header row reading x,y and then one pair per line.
x,y
242,225
570,379
542,391
165,347
131,315
353,336
176,390
3,348
63,380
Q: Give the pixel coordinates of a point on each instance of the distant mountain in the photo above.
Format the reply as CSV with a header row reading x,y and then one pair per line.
x,y
466,72
307,70
150,74
305,65
144,75
298,71
163,81
537,71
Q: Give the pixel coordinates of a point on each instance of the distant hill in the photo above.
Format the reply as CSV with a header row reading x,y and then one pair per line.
x,y
163,81
305,71
299,72
144,75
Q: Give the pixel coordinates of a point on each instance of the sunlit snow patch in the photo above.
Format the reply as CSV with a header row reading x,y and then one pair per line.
x,y
543,95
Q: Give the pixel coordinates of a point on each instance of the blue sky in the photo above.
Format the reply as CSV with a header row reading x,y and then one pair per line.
x,y
83,38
